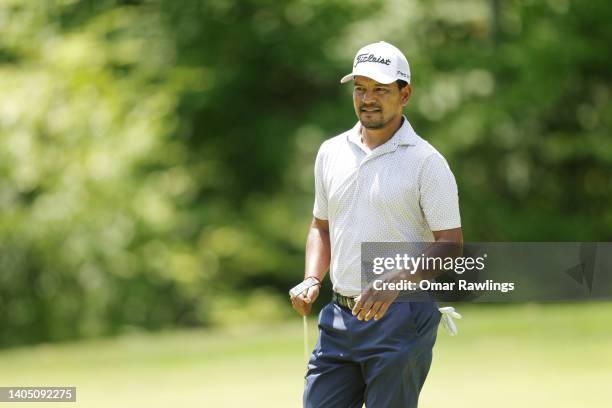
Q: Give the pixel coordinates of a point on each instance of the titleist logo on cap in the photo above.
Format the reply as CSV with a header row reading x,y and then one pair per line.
x,y
371,58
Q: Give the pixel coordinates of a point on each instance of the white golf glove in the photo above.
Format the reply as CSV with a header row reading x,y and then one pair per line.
x,y
448,313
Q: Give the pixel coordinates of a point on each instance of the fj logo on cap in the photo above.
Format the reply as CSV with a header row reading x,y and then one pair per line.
x,y
371,58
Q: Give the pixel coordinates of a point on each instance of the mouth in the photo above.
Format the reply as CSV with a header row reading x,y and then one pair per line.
x,y
369,109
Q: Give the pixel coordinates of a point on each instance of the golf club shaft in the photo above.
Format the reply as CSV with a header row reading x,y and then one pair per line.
x,y
305,338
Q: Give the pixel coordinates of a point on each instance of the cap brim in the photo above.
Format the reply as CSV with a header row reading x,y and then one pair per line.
x,y
377,76
347,78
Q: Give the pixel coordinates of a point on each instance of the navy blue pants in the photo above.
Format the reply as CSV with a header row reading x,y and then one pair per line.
x,y
383,363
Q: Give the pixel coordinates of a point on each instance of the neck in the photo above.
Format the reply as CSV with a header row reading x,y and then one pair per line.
x,y
375,137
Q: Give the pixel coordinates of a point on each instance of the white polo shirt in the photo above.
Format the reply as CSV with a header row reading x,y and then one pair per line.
x,y
399,192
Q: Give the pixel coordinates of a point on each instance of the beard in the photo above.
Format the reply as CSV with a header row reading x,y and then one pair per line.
x,y
373,120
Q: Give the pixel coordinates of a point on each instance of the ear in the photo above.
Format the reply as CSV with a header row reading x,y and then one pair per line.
x,y
405,93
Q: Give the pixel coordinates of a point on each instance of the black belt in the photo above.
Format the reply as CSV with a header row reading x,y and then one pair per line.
x,y
345,301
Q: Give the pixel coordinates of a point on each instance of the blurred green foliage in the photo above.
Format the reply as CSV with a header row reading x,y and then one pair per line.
x,y
156,156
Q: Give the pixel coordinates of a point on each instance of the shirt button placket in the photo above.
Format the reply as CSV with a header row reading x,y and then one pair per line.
x,y
358,180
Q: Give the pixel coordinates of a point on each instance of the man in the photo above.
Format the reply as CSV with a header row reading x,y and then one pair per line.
x,y
377,182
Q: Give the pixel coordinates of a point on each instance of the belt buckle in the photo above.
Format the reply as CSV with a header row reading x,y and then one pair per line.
x,y
350,303
345,301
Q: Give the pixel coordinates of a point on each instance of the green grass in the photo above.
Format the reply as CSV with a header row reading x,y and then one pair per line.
x,y
504,356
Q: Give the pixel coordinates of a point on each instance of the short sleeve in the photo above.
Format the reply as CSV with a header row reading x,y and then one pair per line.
x,y
320,203
439,197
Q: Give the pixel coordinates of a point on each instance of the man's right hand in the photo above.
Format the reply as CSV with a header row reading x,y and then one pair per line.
x,y
303,302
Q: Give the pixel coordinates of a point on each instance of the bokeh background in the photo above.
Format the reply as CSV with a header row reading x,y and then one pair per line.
x,y
156,185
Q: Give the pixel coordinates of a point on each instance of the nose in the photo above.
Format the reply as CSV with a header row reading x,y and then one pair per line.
x,y
368,96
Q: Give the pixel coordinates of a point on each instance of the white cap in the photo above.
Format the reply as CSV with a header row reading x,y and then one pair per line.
x,y
380,61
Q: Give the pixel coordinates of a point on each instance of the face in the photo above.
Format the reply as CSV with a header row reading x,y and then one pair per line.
x,y
376,105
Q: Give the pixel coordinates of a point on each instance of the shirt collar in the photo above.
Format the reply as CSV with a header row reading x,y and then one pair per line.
x,y
404,136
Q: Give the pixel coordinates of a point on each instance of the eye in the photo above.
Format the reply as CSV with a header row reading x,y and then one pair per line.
x,y
359,89
380,90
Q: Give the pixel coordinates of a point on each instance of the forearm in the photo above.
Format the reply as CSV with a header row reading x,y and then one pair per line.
x,y
448,244
318,251
440,249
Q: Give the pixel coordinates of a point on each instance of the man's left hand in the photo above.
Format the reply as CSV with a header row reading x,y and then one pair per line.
x,y
374,303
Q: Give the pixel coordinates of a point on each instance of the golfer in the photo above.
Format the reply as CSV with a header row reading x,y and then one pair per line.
x,y
376,182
